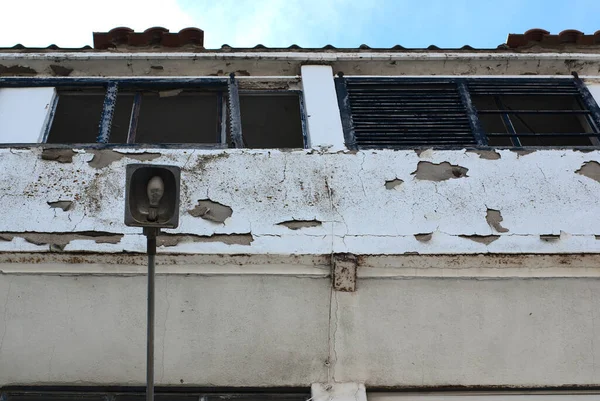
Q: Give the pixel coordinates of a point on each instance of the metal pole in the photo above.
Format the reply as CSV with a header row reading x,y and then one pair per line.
x,y
151,249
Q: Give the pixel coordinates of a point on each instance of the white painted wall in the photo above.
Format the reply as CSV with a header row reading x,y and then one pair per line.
x,y
323,114
538,194
24,113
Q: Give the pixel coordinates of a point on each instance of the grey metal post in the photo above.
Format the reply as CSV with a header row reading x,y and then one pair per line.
x,y
151,234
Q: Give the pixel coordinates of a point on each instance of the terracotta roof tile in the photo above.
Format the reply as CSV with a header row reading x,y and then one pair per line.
x,y
159,39
544,38
156,36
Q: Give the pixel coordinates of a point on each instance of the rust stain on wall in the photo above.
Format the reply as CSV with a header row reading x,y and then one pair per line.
x,y
439,172
591,170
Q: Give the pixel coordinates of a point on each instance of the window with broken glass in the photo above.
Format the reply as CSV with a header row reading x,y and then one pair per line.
x,y
397,113
200,112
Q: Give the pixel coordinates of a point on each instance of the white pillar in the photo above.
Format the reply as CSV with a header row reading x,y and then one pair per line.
x,y
338,392
323,114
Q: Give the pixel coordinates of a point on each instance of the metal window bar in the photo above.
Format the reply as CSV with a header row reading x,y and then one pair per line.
x,y
345,112
235,116
108,110
508,124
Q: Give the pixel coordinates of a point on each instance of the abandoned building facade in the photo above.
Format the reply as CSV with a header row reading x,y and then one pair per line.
x,y
354,223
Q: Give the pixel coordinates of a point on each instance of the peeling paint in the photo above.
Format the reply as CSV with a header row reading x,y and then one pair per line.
x,y
482,239
298,224
103,158
167,239
523,152
486,154
211,211
590,169
550,237
423,237
60,71
438,172
63,238
17,70
59,155
65,205
494,218
393,183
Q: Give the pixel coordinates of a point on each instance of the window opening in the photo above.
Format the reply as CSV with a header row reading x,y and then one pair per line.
x,y
271,120
453,112
203,111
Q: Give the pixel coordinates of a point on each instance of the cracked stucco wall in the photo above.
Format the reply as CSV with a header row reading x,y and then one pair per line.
x,y
306,202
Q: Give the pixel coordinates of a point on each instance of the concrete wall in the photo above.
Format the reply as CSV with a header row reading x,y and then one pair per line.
x,y
267,330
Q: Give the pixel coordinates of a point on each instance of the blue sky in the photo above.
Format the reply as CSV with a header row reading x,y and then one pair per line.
x,y
308,23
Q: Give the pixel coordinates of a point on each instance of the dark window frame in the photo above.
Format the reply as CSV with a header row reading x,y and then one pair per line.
x,y
463,87
112,86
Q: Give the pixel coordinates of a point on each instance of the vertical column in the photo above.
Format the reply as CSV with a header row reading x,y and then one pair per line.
x,y
322,111
338,392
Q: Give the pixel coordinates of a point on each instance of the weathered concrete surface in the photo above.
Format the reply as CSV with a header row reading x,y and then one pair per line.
x,y
450,332
264,330
210,331
257,63
535,194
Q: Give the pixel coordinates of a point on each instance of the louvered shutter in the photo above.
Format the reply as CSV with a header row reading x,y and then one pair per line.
x,y
399,113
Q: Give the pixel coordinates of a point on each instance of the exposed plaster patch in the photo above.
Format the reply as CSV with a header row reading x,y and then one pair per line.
x,y
61,204
60,71
63,238
212,211
59,155
590,169
494,218
483,239
486,154
166,239
393,183
423,237
439,172
298,224
103,158
16,70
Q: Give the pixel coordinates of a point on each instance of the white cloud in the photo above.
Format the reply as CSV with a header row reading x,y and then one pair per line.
x,y
241,23
70,23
